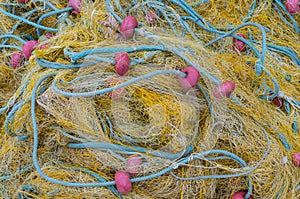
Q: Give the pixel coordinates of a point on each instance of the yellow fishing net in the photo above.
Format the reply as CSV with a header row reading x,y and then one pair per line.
x,y
87,139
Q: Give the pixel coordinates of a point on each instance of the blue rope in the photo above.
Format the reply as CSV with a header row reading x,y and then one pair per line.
x,y
208,100
287,107
101,59
186,25
260,27
277,7
106,90
113,135
18,23
96,176
13,37
110,10
63,17
132,63
251,11
222,33
71,136
294,22
167,19
284,142
143,59
11,115
295,126
12,101
55,12
48,64
11,46
21,19
177,52
118,148
76,56
29,37
285,50
191,11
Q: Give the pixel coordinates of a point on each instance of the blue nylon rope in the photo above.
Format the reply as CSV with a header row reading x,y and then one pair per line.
x,y
55,12
11,46
14,37
21,19
106,90
18,23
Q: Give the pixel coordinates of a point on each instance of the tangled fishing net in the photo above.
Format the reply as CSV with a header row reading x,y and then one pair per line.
x,y
70,123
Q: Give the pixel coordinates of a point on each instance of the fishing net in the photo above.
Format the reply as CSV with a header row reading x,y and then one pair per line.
x,y
69,122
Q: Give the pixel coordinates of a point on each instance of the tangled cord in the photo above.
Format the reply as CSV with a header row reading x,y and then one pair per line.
x,y
162,45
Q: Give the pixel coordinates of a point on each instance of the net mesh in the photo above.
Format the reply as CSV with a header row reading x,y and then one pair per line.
x,y
154,117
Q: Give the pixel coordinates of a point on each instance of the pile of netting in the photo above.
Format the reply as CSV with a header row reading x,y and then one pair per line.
x,y
194,115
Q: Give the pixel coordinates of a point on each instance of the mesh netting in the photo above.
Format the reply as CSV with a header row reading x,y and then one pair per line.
x,y
69,122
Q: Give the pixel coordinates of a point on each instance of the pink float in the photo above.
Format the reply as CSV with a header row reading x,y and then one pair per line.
x,y
123,183
224,89
240,195
278,101
28,48
133,166
238,44
127,27
23,1
76,5
296,159
151,18
191,79
292,6
16,60
122,63
115,94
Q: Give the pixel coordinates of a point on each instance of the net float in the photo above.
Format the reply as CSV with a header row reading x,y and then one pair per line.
x,y
122,63
123,183
127,27
28,47
240,195
44,38
191,79
76,5
151,17
292,6
115,94
133,166
16,60
44,46
238,44
23,1
278,101
48,35
224,89
296,159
